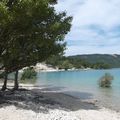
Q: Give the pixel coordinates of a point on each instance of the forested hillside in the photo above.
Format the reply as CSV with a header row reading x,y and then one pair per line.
x,y
95,61
112,60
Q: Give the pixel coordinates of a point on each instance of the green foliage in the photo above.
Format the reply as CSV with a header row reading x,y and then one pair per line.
x,y
65,65
74,62
91,61
31,31
108,61
60,61
100,66
106,80
28,75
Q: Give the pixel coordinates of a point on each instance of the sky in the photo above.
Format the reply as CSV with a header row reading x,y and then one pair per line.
x,y
95,26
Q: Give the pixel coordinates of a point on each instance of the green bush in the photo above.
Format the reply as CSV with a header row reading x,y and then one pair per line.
x,y
106,80
29,75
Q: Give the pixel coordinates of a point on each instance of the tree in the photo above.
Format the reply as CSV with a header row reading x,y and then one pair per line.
x,y
32,32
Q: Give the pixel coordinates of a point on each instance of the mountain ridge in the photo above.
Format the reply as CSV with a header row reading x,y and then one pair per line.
x,y
113,60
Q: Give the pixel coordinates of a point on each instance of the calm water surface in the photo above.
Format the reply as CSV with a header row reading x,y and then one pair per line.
x,y
84,84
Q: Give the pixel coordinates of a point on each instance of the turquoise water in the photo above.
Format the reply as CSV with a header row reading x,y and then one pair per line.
x,y
84,84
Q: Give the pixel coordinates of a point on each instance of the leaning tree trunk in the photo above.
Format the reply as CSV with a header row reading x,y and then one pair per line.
x,y
16,85
4,87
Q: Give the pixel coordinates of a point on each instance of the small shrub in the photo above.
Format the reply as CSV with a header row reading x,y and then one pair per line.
x,y
29,75
106,80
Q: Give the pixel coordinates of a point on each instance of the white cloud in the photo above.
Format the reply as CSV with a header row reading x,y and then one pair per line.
x,y
74,50
102,12
96,23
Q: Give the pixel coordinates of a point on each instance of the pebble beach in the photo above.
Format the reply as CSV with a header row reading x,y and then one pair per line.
x,y
35,104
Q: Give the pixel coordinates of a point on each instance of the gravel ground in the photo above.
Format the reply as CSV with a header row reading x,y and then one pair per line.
x,y
37,104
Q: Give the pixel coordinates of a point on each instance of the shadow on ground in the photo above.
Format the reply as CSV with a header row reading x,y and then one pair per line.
x,y
42,100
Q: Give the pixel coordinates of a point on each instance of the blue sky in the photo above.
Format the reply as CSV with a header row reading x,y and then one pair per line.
x,y
95,26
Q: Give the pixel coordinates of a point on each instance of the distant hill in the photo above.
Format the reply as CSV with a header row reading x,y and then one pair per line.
x,y
112,60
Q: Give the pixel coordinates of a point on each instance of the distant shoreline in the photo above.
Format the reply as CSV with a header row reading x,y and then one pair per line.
x,y
40,67
86,69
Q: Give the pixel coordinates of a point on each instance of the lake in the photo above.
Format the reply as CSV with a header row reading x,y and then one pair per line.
x,y
84,84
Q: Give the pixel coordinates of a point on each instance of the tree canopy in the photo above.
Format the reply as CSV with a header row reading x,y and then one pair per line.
x,y
30,31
